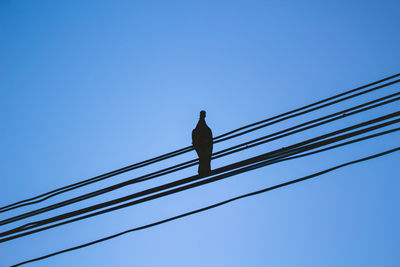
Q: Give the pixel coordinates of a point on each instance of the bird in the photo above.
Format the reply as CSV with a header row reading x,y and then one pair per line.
x,y
202,141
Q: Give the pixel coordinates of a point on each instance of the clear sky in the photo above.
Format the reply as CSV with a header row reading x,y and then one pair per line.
x,y
91,86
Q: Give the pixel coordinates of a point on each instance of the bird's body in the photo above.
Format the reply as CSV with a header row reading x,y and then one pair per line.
x,y
203,144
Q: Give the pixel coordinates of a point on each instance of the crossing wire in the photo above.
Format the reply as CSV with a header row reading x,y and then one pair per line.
x,y
217,139
246,164
264,190
228,151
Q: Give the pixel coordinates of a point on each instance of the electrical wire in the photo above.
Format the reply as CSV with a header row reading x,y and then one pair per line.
x,y
228,151
264,190
255,162
220,170
217,139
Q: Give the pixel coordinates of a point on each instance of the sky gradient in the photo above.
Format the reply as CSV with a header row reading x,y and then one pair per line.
x,y
87,87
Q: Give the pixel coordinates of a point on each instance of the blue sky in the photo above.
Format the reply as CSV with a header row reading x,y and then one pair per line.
x,y
91,86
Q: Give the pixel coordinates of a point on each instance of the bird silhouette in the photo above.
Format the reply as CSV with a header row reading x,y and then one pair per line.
x,y
203,144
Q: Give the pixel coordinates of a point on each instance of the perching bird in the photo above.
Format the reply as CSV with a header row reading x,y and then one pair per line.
x,y
203,144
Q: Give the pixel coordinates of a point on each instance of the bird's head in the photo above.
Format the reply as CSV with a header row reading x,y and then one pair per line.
x,y
202,114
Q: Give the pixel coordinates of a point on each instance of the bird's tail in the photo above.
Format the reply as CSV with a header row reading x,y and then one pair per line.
x,y
204,166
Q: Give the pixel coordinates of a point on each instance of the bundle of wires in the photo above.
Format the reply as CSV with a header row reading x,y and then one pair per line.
x,y
368,129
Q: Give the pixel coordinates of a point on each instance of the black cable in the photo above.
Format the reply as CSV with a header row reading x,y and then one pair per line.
x,y
222,153
192,178
310,105
287,132
213,206
255,162
58,191
230,174
309,110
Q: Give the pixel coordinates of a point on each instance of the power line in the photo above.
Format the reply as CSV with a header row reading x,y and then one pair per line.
x,y
249,164
234,149
312,109
217,139
345,143
230,174
256,159
213,206
313,104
